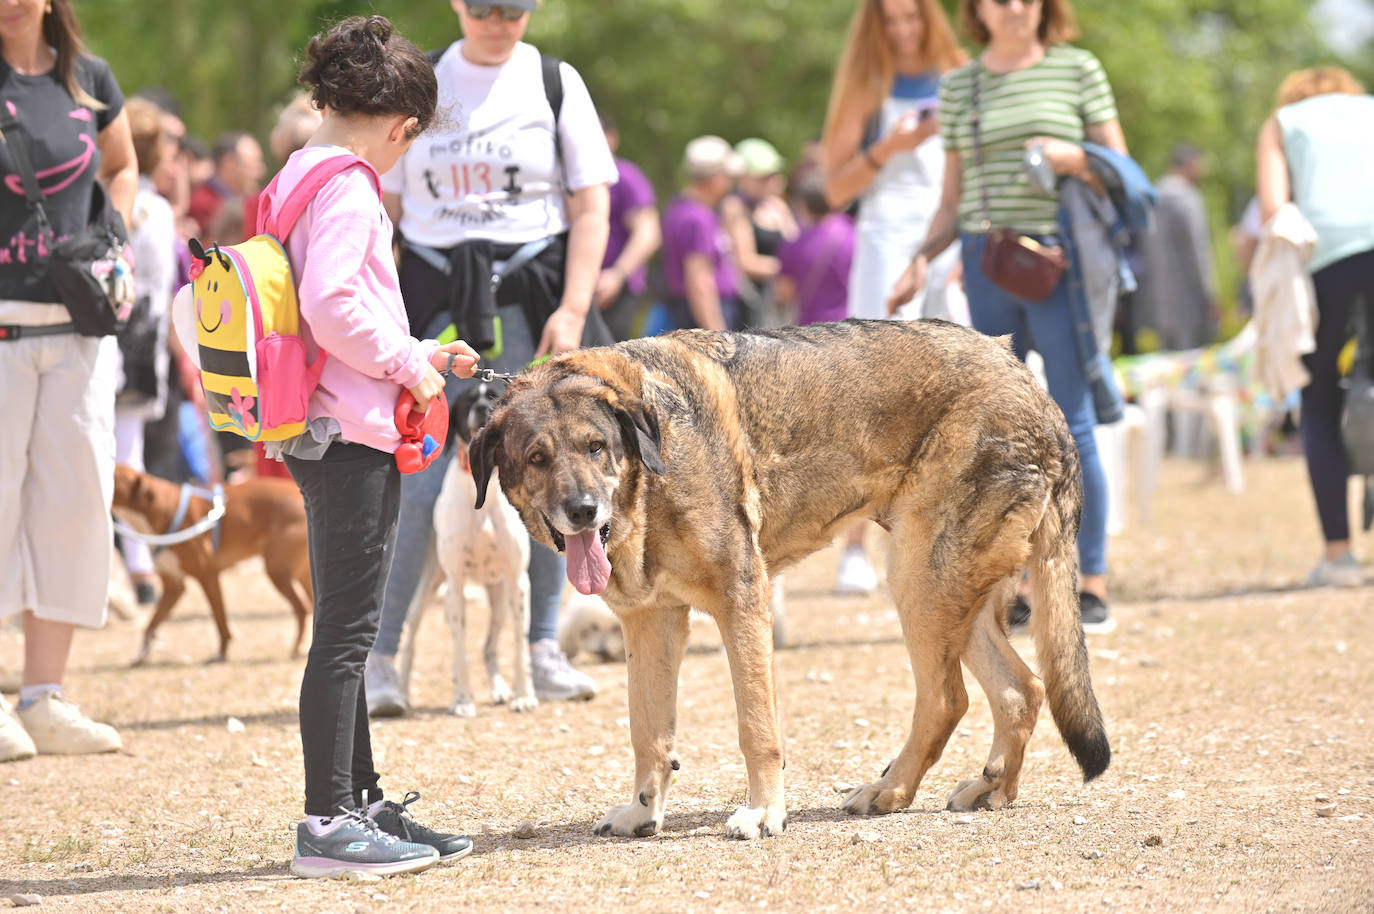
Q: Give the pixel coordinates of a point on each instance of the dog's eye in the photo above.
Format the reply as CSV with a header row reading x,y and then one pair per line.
x,y
596,447
538,459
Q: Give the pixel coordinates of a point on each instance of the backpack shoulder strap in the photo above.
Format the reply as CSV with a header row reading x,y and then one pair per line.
x,y
553,91
553,83
280,220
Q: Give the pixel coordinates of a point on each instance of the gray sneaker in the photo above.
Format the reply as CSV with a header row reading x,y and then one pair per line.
x,y
1341,572
396,819
357,846
554,677
384,695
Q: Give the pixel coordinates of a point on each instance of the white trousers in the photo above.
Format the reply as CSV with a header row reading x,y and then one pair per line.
x,y
56,476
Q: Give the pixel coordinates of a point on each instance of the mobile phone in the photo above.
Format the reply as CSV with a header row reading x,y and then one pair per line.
x,y
1039,171
927,108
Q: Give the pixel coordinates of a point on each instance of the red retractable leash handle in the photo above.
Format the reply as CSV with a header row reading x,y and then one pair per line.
x,y
422,433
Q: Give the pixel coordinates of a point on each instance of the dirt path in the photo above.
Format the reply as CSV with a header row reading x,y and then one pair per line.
x,y
1237,705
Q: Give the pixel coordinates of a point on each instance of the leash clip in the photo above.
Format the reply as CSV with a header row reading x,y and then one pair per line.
x,y
490,374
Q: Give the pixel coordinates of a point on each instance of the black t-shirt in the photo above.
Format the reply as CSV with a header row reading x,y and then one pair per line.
x,y
61,137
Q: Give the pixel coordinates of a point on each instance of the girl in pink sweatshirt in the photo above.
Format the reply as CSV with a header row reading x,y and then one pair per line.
x,y
377,93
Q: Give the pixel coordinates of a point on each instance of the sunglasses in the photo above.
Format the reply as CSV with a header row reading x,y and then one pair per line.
x,y
483,11
1023,2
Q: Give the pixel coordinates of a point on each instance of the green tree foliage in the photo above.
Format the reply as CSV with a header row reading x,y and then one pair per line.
x,y
669,70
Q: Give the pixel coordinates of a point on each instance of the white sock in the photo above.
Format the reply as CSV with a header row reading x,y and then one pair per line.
x,y
30,693
323,825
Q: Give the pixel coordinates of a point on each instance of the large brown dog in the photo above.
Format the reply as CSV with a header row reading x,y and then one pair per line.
x,y
263,516
686,470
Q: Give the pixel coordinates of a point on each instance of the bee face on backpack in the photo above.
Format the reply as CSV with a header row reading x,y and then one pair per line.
x,y
223,338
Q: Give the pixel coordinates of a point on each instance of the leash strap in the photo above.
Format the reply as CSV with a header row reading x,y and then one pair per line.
x,y
173,536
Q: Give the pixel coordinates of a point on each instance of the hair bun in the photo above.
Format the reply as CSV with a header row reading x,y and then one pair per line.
x,y
379,27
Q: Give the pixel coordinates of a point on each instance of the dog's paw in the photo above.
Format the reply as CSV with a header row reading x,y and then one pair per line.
x,y
463,707
522,703
500,690
977,793
629,821
876,799
144,650
748,823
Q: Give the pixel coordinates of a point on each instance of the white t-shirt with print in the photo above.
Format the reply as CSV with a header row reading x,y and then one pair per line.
x,y
491,171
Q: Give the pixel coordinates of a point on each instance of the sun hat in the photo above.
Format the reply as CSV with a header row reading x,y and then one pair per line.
x,y
760,157
711,155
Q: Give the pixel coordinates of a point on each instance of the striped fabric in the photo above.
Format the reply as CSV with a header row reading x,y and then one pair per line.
x,y
1056,97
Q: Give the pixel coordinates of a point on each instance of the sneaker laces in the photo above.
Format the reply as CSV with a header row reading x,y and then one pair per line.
x,y
407,819
404,806
369,825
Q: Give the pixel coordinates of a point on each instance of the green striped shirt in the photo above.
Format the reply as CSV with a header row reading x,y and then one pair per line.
x,y
1056,97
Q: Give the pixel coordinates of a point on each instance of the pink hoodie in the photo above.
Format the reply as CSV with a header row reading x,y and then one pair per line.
x,y
350,298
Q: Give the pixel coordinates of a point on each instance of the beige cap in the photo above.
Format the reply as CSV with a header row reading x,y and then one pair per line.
x,y
710,155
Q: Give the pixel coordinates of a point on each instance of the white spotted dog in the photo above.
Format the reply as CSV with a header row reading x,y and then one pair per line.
x,y
487,546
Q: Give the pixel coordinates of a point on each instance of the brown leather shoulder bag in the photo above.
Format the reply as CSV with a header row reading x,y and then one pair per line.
x,y
1013,262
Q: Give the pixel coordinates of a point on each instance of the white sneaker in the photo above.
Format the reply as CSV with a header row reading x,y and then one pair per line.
x,y
384,695
856,574
15,742
59,728
554,677
1341,572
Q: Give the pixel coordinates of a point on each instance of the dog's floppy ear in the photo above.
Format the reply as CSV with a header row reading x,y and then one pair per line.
x,y
482,456
640,432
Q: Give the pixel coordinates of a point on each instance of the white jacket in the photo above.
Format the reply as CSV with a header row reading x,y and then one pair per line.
x,y
1285,302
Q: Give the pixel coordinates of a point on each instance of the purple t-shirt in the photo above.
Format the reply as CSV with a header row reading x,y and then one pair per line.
x,y
633,191
818,262
692,227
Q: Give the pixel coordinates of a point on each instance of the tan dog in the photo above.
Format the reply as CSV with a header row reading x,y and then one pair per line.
x,y
687,470
263,516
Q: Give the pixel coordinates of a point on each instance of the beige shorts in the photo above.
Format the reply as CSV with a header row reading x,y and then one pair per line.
x,y
57,442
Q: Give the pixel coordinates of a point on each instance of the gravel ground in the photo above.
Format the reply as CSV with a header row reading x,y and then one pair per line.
x,y
1239,708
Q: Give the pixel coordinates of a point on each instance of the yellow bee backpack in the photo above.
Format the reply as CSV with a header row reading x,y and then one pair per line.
x,y
252,358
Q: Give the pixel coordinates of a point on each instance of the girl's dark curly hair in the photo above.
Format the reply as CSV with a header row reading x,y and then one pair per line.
x,y
362,66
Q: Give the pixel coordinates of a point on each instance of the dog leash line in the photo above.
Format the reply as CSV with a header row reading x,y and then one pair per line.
x,y
174,536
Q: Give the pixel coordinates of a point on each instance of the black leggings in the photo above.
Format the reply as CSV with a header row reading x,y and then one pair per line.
x,y
1339,287
352,499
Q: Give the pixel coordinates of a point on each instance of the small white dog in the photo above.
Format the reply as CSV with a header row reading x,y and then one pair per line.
x,y
487,546
588,626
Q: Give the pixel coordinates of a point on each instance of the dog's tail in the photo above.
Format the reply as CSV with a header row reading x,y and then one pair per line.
x,y
1058,629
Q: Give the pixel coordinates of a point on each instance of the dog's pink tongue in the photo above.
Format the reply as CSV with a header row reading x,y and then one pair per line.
x,y
588,568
